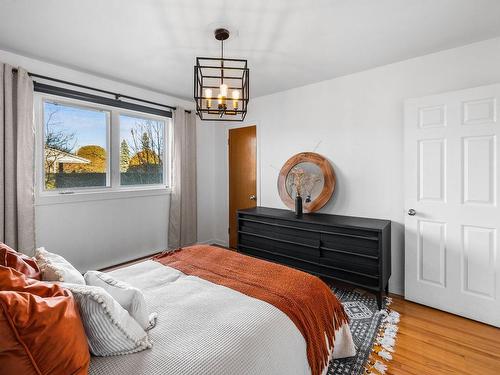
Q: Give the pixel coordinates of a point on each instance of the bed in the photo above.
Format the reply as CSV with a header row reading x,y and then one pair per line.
x,y
206,327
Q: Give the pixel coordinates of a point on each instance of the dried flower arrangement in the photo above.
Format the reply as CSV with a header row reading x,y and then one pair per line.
x,y
302,183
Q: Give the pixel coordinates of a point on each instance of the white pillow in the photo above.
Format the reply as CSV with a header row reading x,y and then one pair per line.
x,y
55,268
109,327
129,297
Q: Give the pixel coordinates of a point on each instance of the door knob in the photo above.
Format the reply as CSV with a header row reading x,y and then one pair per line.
x,y
252,197
412,212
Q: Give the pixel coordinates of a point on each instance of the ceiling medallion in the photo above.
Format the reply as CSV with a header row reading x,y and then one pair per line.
x,y
217,78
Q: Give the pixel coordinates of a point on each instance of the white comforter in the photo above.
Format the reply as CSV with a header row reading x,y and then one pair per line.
x,y
205,328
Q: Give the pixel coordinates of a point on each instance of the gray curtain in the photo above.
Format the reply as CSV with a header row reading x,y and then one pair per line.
x,y
182,222
16,160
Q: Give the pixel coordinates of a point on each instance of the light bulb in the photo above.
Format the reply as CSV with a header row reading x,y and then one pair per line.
x,y
208,96
223,90
236,96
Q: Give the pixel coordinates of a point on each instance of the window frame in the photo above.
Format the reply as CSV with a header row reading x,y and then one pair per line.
x,y
113,188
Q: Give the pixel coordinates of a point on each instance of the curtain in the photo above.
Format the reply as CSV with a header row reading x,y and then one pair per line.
x,y
17,215
182,221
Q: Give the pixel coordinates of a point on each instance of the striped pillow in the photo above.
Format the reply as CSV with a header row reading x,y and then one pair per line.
x,y
129,297
109,327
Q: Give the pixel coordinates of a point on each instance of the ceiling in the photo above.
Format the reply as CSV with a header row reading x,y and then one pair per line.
x,y
288,43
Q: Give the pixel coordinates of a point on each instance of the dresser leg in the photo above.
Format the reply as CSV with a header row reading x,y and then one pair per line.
x,y
379,300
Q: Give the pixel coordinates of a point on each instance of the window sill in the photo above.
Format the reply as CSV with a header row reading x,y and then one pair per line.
x,y
50,198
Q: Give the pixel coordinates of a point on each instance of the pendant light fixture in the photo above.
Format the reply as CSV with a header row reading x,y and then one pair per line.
x,y
221,85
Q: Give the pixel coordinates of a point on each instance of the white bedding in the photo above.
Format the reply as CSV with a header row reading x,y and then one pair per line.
x,y
205,328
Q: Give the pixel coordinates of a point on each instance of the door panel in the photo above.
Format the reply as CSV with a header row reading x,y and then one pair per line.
x,y
479,260
479,170
431,252
451,183
242,175
431,171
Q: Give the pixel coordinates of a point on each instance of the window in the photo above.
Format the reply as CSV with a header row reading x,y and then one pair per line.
x,y
141,150
75,146
92,146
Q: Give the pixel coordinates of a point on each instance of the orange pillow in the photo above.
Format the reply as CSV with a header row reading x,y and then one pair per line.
x,y
41,330
18,261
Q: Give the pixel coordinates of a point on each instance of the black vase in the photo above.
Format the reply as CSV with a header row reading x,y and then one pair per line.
x,y
298,206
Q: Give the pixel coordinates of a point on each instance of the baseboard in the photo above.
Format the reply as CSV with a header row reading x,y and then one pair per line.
x,y
220,243
128,262
397,291
395,295
214,242
206,242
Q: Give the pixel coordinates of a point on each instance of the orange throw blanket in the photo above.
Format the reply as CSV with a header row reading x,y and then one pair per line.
x,y
307,300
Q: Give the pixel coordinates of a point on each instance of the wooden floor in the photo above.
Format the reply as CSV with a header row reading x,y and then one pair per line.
x,y
430,341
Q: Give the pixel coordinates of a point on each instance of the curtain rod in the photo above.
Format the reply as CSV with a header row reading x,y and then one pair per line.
x,y
116,95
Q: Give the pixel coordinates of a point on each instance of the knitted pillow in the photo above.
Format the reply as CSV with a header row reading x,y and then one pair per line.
x,y
129,297
109,327
55,268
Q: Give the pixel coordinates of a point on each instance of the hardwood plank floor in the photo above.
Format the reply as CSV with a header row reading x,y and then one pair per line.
x,y
435,342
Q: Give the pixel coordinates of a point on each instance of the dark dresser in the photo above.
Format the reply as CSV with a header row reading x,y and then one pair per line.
x,y
349,249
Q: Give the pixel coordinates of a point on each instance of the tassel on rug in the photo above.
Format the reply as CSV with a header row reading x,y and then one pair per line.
x,y
385,341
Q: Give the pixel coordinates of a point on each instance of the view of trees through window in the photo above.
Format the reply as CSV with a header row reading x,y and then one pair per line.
x,y
76,153
75,146
141,150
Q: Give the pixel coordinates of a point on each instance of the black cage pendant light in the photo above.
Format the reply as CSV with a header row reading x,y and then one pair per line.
x,y
221,85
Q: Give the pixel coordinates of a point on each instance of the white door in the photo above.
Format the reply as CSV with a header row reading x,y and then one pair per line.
x,y
452,223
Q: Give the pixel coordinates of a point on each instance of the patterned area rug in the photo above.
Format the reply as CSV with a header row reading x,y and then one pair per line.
x,y
373,331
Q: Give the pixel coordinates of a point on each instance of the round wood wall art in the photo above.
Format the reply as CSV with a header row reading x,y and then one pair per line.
x,y
311,176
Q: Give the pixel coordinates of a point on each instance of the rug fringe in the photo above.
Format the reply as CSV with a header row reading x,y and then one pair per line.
x,y
385,341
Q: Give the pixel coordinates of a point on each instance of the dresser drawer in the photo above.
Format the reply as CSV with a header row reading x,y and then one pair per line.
x,y
350,262
358,279
282,244
356,244
315,268
280,231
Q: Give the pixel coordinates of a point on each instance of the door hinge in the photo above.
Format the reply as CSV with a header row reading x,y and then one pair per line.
x,y
228,230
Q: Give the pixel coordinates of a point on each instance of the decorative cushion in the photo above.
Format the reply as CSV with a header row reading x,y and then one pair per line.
x,y
41,330
18,261
110,328
55,268
129,297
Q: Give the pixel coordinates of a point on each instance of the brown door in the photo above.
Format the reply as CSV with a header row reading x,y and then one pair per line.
x,y
242,175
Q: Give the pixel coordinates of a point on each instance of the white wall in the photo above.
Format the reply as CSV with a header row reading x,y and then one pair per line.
x,y
94,234
98,233
355,121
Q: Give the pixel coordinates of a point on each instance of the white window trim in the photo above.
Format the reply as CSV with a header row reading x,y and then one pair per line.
x,y
114,190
